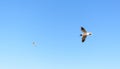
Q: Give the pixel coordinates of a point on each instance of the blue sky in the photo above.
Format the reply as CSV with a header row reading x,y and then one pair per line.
x,y
55,26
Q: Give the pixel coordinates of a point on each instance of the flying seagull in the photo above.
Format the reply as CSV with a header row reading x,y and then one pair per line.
x,y
84,34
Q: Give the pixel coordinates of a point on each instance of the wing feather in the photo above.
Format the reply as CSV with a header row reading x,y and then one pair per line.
x,y
83,30
83,38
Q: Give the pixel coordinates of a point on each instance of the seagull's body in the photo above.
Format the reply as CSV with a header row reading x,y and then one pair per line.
x,y
84,34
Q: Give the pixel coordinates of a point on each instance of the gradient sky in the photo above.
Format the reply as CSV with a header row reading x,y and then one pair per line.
x,y
55,26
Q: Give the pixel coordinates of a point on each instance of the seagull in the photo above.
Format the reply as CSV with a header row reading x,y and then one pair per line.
x,y
84,34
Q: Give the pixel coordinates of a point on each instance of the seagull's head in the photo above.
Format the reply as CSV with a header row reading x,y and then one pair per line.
x,y
90,33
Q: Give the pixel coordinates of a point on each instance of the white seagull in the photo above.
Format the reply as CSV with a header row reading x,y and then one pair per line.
x,y
84,34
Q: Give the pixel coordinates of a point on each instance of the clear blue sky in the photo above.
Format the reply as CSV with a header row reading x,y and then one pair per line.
x,y
55,26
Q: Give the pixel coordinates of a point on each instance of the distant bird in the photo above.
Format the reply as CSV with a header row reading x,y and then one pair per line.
x,y
84,34
34,43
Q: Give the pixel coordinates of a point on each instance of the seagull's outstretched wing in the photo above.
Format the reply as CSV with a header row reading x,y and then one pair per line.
x,y
83,30
83,38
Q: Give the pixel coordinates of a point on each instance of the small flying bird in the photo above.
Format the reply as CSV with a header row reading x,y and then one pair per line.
x,y
84,34
34,43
